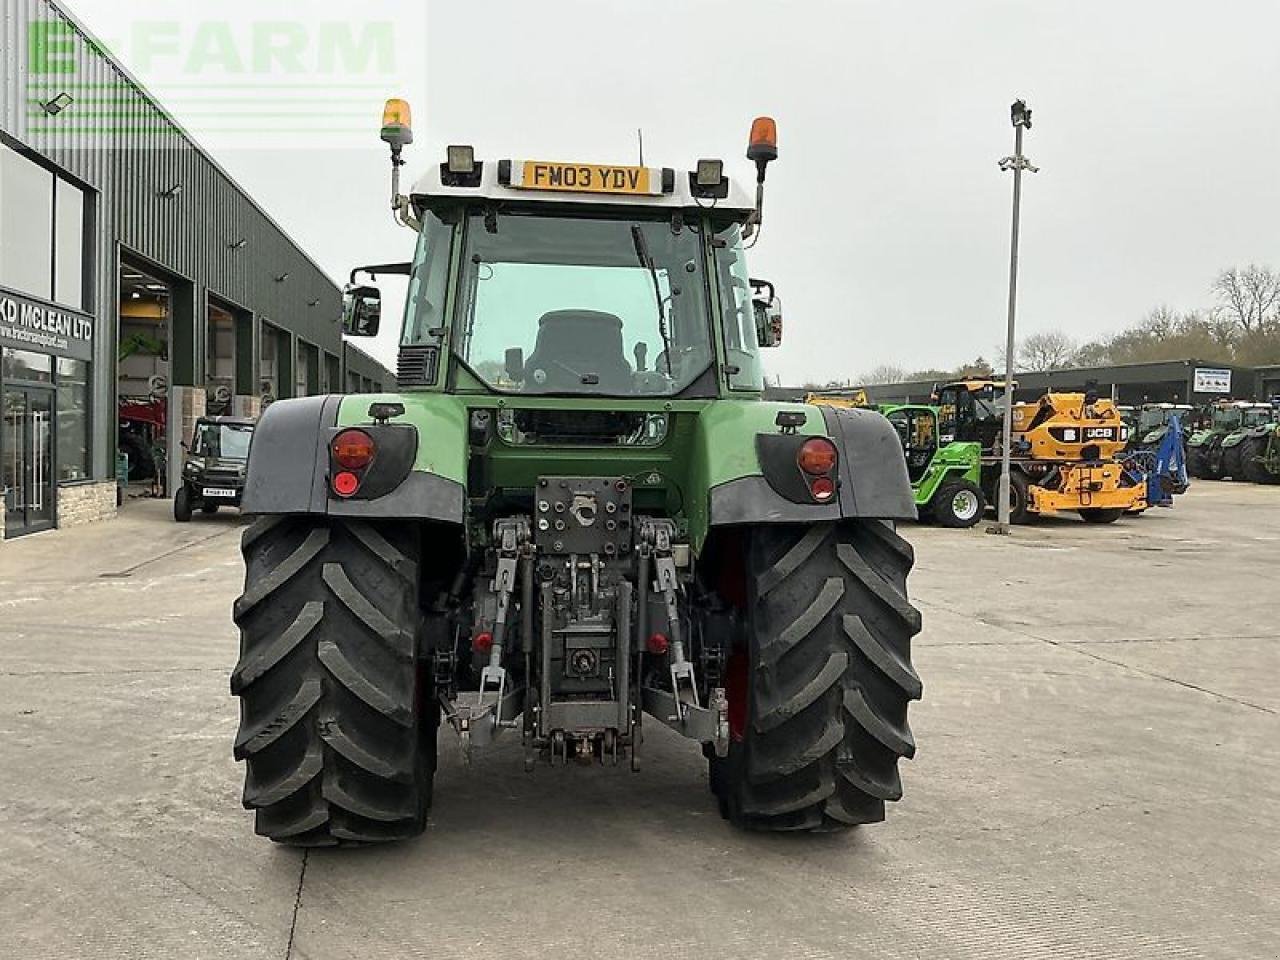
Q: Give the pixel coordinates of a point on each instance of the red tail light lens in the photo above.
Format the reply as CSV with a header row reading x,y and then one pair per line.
x,y
817,457
353,449
823,489
345,483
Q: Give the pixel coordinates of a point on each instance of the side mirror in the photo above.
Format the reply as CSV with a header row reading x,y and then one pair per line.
x,y
361,311
768,313
768,321
514,364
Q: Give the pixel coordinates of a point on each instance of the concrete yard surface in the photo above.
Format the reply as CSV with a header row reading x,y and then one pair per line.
x,y
1098,776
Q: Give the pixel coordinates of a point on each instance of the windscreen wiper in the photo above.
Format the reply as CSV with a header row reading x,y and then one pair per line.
x,y
646,261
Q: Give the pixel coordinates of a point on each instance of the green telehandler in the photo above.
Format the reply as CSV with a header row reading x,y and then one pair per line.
x,y
946,478
576,512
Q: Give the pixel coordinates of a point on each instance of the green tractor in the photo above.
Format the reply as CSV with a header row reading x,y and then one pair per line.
x,y
1260,452
1217,450
946,478
576,511
1151,423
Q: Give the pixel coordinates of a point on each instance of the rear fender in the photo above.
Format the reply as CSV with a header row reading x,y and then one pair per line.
x,y
289,469
872,474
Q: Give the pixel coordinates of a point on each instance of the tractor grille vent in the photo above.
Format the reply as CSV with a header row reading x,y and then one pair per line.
x,y
417,366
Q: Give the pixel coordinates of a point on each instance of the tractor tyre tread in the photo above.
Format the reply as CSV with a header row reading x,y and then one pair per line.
x,y
1254,470
337,751
1233,459
830,679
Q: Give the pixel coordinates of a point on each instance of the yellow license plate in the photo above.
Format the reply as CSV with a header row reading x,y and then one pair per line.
x,y
588,178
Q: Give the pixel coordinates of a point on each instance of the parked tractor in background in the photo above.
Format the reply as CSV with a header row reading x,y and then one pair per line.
x,y
1216,452
142,423
1064,454
1153,421
577,510
1260,452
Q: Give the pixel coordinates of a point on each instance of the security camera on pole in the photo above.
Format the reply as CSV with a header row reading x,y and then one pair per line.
x,y
1020,114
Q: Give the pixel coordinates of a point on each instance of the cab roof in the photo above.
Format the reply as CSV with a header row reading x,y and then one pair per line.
x,y
499,181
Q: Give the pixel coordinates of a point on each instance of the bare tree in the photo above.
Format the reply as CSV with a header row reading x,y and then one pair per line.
x,y
1047,350
1250,297
885,373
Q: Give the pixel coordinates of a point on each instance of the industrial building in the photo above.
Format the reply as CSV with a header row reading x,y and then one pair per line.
x,y
140,286
1169,381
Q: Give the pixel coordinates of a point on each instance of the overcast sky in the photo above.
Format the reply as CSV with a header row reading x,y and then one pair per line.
x,y
887,219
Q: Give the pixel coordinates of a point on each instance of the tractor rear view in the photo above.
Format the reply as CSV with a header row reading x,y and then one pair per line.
x,y
577,512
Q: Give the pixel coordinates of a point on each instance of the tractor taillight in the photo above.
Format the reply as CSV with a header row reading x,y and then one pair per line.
x,y
823,489
353,449
817,457
345,483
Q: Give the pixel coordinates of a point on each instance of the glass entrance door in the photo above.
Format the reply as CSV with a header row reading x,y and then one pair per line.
x,y
26,459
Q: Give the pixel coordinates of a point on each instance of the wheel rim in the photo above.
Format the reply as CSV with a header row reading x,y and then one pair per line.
x,y
964,505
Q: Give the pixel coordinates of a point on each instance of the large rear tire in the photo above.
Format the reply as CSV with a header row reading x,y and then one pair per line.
x,y
337,735
1233,461
818,709
1197,463
1255,448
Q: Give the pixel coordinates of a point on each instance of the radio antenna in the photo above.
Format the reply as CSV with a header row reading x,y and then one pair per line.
x,y
640,140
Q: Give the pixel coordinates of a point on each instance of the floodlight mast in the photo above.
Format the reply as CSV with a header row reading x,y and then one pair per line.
x,y
1020,116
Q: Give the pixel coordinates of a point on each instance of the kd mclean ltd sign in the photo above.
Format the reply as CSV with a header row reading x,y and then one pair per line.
x,y
27,324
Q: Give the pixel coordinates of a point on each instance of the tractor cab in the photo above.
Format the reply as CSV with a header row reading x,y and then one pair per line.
x,y
1229,416
536,279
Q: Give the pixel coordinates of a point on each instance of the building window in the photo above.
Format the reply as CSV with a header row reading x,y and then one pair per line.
x,y
26,225
42,232
73,420
269,386
26,365
304,370
68,251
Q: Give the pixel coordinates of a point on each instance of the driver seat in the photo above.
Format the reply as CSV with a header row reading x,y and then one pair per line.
x,y
585,341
